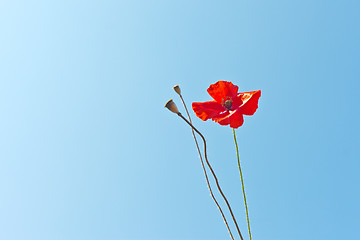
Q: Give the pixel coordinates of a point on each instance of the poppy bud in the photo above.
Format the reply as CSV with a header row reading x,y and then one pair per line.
x,y
172,106
177,89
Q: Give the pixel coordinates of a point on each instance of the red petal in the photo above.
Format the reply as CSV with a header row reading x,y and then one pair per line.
x,y
222,118
249,102
206,110
222,90
236,119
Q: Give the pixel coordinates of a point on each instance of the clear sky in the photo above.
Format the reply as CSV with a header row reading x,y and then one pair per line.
x,y
88,151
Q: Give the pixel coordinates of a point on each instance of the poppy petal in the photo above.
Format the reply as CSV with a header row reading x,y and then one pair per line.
x,y
249,102
222,90
222,118
207,110
236,119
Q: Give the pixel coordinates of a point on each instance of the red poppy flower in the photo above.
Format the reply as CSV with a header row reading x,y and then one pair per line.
x,y
229,105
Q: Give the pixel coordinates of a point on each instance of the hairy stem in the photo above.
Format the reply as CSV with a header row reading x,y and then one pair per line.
x,y
206,177
242,183
213,173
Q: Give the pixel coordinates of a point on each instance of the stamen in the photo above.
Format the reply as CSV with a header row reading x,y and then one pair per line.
x,y
228,104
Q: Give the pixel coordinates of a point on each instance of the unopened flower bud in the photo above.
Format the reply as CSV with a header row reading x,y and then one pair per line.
x,y
172,106
177,89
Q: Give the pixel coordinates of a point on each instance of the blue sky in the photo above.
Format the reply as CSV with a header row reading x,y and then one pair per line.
x,y
89,152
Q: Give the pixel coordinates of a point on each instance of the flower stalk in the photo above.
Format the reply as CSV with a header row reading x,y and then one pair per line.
x,y
242,183
213,173
177,90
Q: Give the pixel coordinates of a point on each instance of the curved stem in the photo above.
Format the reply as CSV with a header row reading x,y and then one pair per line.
x,y
242,183
206,177
213,173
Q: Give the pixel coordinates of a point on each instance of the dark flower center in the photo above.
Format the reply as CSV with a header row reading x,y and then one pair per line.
x,y
227,104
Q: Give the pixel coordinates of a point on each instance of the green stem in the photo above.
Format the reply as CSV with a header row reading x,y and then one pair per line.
x,y
242,183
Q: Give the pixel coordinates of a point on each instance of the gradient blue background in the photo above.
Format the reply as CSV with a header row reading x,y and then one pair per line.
x,y
89,152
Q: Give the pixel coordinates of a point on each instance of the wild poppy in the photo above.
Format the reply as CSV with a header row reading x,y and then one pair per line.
x,y
229,105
